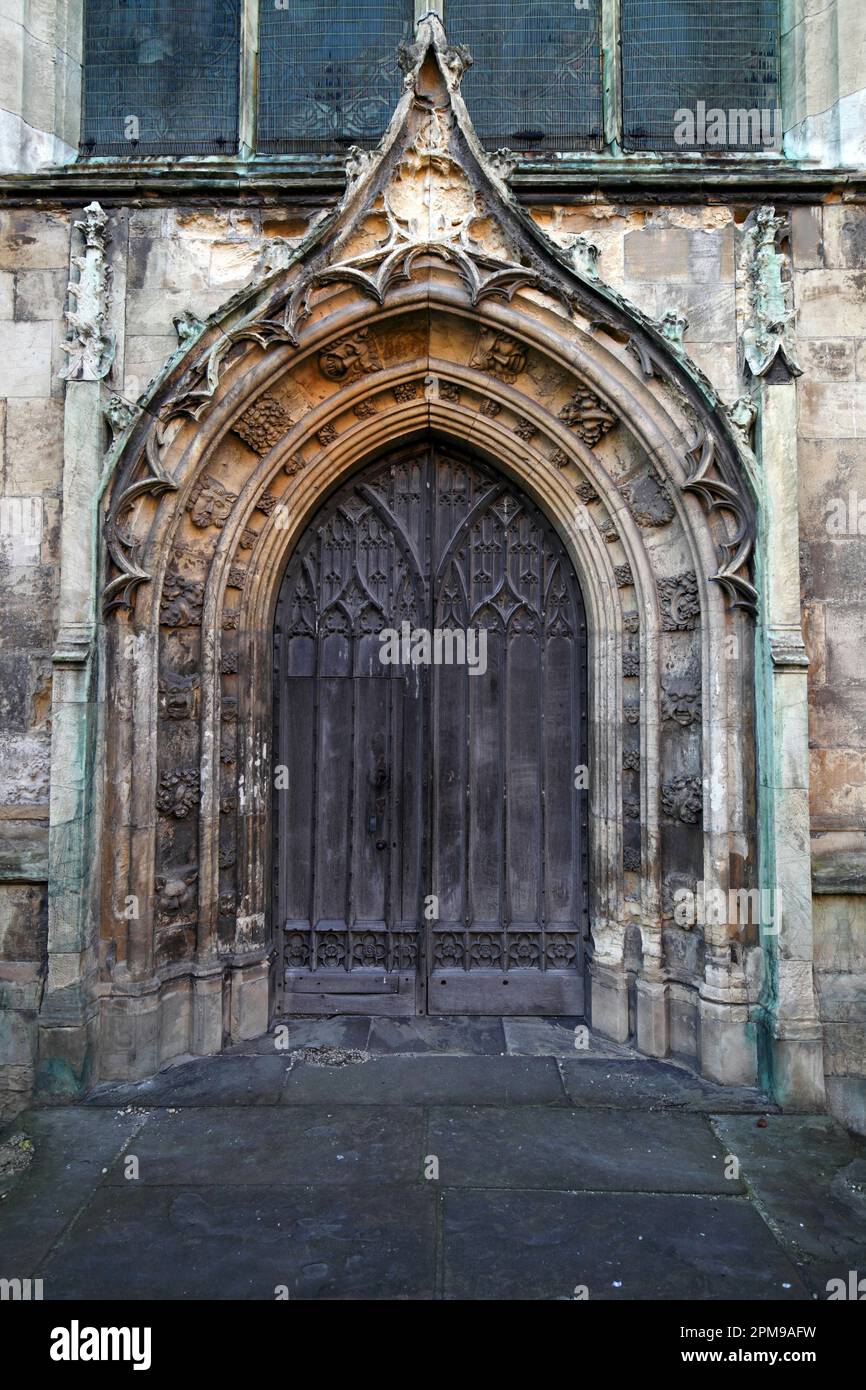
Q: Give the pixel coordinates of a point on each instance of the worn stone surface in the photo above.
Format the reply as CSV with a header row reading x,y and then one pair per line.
x,y
410,1200
667,256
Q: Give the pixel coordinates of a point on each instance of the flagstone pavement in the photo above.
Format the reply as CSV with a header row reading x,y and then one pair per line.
x,y
429,1158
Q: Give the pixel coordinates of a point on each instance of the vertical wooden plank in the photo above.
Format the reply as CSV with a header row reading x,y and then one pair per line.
x,y
523,778
335,768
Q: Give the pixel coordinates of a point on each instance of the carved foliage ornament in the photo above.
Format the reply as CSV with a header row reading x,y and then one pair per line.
x,y
264,424
90,349
683,799
587,416
679,601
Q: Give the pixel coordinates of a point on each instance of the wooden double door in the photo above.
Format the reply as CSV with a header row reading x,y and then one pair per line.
x,y
430,846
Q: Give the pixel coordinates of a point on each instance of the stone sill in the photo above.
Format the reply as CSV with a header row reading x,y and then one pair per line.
x,y
630,177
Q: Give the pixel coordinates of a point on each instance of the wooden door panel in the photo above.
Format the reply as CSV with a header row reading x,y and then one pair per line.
x,y
408,786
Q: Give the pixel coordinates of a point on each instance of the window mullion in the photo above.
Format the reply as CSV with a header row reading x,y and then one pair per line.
x,y
248,78
611,48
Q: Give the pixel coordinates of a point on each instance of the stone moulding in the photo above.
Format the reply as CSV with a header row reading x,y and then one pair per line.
x,y
507,363
433,138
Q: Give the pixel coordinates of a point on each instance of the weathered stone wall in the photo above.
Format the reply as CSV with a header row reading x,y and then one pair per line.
x,y
167,260
34,256
829,252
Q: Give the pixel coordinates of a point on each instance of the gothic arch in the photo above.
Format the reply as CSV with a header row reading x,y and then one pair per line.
x,y
473,327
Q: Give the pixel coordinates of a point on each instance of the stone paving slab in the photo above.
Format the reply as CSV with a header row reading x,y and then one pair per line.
x,y
469,1037
542,1245
358,1242
343,1030
282,1147
806,1174
203,1081
71,1149
636,1084
577,1150
554,1037
432,1080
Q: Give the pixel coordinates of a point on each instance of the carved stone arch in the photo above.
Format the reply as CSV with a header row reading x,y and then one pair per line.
x,y
498,341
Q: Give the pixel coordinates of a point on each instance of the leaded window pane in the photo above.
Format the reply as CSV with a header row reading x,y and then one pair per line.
x,y
536,80
328,72
160,77
700,57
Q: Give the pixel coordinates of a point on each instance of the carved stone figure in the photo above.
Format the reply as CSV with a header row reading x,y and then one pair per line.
x,y
499,354
350,357
210,503
681,702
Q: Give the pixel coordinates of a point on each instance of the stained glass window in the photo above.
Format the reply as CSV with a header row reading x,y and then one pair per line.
x,y
328,72
536,79
685,62
160,77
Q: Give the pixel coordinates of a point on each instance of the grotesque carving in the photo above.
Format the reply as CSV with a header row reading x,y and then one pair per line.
x,y
264,424
498,354
631,622
683,799
631,808
119,413
631,713
178,792
350,357
680,604
672,326
631,760
178,696
490,407
294,464
176,891
209,503
681,702
248,538
559,458
587,416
